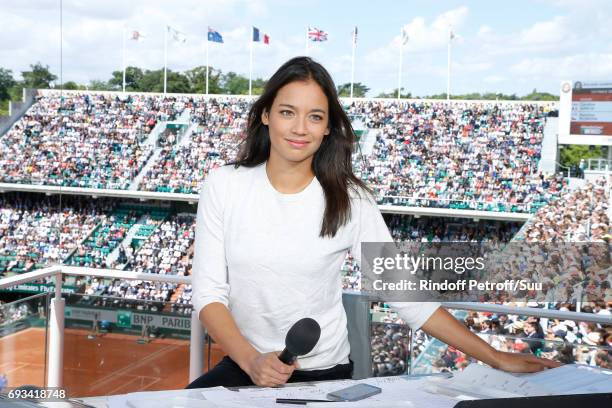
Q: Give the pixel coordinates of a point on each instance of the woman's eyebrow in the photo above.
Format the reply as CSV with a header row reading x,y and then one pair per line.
x,y
294,108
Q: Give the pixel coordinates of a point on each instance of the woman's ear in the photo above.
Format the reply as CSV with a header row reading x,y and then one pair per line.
x,y
327,131
265,117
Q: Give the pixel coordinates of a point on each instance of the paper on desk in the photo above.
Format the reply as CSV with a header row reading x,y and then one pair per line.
x,y
397,392
483,381
160,399
367,403
573,379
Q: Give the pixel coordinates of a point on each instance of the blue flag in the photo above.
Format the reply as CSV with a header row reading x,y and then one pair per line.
x,y
214,36
255,34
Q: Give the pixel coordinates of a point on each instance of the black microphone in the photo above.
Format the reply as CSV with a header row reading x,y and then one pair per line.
x,y
301,339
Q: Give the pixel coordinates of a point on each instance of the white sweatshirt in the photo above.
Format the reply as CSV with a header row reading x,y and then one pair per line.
x,y
258,252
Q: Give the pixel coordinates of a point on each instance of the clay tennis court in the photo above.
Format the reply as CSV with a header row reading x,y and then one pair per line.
x,y
107,365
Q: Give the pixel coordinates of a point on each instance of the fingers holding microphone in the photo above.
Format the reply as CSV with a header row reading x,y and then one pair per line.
x,y
274,369
266,370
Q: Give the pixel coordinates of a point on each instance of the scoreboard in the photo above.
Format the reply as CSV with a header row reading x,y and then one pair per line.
x,y
591,111
585,113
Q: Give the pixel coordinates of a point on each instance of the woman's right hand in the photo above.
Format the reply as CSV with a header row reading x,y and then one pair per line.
x,y
266,370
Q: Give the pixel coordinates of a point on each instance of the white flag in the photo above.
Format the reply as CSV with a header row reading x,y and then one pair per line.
x,y
177,35
404,36
136,35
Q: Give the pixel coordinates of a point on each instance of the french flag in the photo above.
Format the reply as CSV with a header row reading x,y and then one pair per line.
x,y
257,37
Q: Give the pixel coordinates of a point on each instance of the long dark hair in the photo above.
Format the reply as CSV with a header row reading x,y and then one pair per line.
x,y
331,163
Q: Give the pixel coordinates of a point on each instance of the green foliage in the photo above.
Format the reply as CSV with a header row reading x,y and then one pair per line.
x,y
197,80
133,78
234,84
98,85
4,108
6,83
153,81
39,77
359,90
393,94
572,154
258,86
487,96
71,86
194,81
539,96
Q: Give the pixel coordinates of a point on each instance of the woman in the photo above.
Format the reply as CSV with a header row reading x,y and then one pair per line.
x,y
273,230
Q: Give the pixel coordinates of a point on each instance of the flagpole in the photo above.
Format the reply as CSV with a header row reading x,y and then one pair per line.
x,y
123,56
448,67
251,62
165,57
207,63
353,60
307,41
399,73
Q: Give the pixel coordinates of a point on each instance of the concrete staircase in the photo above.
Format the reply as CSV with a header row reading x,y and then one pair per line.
x,y
182,139
548,162
367,141
127,240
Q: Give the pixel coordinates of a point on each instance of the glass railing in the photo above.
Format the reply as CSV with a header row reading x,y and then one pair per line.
x,y
598,164
23,340
454,204
396,351
115,345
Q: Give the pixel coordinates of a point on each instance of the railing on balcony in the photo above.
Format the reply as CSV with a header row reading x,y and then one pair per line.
x,y
374,336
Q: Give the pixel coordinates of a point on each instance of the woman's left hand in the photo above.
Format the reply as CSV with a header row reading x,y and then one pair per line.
x,y
522,363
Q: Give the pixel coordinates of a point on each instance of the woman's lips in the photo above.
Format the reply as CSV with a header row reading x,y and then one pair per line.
x,y
298,144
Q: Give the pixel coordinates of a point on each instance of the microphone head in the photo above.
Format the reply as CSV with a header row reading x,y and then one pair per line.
x,y
302,336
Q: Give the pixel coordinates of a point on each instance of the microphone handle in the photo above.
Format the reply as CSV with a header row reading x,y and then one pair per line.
x,y
286,357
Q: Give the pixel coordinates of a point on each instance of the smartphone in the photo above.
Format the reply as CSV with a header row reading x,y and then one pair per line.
x,y
354,393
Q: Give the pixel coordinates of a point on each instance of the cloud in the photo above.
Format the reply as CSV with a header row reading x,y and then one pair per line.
x,y
424,37
571,42
492,79
579,66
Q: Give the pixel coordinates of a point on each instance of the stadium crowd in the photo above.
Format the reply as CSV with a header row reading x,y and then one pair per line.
x,y
83,140
567,341
464,155
35,231
580,215
181,168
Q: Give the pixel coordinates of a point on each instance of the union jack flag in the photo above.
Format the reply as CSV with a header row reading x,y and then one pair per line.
x,y
314,34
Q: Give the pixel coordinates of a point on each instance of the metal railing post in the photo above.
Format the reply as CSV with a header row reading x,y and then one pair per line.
x,y
196,347
56,336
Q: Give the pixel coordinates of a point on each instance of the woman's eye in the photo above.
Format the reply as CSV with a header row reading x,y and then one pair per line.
x,y
286,113
317,117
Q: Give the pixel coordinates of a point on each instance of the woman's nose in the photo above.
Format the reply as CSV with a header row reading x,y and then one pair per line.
x,y
299,126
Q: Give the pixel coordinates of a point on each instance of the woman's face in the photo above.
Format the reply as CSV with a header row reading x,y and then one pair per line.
x,y
298,121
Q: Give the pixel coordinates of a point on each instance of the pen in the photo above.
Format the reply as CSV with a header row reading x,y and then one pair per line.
x,y
298,401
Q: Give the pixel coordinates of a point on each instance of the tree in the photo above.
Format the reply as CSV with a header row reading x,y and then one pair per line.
x,y
572,154
153,81
234,84
258,86
39,77
359,90
98,85
71,86
539,96
133,76
393,94
197,80
6,82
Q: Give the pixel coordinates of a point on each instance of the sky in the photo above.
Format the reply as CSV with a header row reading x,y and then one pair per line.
x,y
499,46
